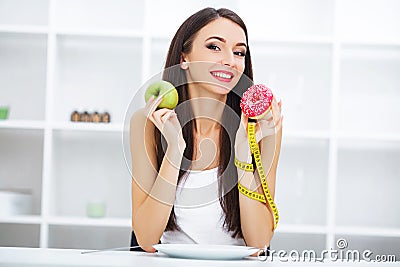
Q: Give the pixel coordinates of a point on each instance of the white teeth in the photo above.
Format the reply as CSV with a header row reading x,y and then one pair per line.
x,y
222,75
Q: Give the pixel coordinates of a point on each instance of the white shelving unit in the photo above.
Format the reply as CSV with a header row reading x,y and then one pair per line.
x,y
334,63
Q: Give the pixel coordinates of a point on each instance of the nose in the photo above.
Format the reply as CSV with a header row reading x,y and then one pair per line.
x,y
228,59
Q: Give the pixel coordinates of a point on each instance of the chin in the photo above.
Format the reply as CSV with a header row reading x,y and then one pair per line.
x,y
218,89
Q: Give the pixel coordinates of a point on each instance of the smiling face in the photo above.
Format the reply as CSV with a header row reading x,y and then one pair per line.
x,y
217,57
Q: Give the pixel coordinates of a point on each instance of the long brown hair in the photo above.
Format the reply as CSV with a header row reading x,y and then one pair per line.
x,y
182,43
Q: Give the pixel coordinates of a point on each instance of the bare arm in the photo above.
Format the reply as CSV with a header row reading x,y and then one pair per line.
x,y
257,218
153,192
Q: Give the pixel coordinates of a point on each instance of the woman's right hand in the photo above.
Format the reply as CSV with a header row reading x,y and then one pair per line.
x,y
166,120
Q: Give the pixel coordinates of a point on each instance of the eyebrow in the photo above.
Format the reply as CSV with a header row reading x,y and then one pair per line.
x,y
224,41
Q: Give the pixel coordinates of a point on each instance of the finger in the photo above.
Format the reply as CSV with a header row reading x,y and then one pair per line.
x,y
156,102
158,114
174,119
265,128
275,105
175,122
270,118
280,121
243,124
161,112
166,116
243,121
266,132
150,101
279,105
278,126
275,110
243,118
152,104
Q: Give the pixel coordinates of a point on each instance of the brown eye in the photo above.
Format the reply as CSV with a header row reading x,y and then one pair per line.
x,y
213,47
239,53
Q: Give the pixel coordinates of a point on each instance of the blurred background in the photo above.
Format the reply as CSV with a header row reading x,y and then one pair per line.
x,y
334,63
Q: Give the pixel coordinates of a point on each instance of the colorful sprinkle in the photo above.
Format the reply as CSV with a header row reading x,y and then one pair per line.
x,y
256,101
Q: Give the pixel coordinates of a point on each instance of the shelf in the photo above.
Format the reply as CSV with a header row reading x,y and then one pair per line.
x,y
96,73
22,124
120,33
64,220
94,163
19,235
21,166
23,75
85,221
69,126
370,169
353,138
86,126
367,231
302,229
88,237
23,29
369,104
301,189
22,219
305,134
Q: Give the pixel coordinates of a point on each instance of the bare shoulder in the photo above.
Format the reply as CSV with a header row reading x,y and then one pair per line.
x,y
142,149
141,126
138,116
139,121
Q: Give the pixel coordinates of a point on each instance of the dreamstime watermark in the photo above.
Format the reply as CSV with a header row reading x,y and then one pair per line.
x,y
340,254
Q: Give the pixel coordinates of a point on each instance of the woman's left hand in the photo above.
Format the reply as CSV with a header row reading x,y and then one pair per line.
x,y
266,126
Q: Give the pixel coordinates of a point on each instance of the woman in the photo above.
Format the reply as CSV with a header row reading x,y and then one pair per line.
x,y
194,146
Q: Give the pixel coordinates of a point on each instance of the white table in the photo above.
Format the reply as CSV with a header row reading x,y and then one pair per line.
x,y
28,257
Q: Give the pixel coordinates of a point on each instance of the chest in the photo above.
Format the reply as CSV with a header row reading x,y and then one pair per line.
x,y
206,153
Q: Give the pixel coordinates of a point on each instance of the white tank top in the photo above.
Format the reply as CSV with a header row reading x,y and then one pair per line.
x,y
198,212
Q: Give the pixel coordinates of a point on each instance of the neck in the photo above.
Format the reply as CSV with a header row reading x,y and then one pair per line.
x,y
207,110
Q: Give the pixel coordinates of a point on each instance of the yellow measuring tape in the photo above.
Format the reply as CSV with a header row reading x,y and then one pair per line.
x,y
251,194
255,150
244,166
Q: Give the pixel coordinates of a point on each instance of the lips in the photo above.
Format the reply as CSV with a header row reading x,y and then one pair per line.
x,y
222,75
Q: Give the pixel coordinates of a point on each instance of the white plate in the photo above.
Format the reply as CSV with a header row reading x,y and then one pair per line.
x,y
206,252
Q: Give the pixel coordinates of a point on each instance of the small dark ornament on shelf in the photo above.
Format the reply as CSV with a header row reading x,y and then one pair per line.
x,y
85,117
75,116
96,117
105,117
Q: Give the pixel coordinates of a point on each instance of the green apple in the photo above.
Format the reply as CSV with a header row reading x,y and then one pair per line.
x,y
166,90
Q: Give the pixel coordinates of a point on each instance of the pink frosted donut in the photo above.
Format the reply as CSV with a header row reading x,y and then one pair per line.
x,y
256,101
